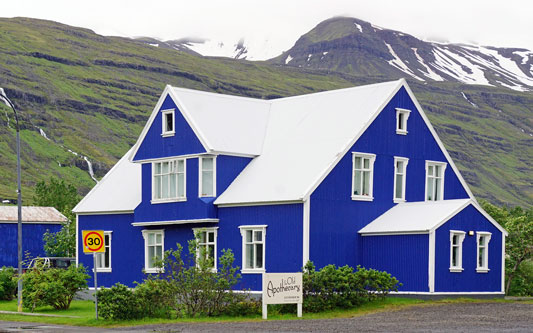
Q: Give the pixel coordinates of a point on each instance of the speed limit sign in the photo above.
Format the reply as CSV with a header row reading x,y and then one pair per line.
x,y
93,241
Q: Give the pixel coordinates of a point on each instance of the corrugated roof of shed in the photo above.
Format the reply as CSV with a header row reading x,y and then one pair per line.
x,y
32,214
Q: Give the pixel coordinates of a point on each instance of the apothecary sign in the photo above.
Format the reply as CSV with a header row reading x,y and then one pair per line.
x,y
282,288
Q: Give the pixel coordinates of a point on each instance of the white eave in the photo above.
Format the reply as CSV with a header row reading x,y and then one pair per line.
x,y
174,222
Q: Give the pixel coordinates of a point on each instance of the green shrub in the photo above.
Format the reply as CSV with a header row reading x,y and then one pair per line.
x,y
119,303
247,307
522,284
155,297
55,287
332,287
8,283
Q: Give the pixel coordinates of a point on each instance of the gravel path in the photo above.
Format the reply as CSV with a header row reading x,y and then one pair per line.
x,y
473,317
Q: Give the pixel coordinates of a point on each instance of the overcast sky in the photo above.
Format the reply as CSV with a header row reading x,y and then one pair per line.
x,y
495,23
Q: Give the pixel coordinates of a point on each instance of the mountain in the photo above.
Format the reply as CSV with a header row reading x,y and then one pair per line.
x,y
84,98
357,47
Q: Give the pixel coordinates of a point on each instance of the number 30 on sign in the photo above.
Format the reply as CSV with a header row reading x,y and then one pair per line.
x,y
93,241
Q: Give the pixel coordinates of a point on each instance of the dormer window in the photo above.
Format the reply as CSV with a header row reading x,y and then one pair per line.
x,y
401,120
168,122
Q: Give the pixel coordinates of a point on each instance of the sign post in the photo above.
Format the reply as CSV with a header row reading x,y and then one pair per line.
x,y
93,242
282,288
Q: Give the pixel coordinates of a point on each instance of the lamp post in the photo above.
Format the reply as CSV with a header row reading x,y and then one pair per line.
x,y
19,200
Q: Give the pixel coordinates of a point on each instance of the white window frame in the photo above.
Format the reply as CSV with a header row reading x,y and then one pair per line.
x,y
372,158
177,198
401,127
485,267
145,236
101,256
164,114
243,229
214,230
461,237
201,178
433,178
403,173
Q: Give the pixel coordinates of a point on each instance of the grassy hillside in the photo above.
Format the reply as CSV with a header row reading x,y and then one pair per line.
x,y
92,94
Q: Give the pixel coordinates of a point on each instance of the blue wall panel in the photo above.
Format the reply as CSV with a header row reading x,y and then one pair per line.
x,y
468,280
283,251
32,241
182,143
336,218
228,167
403,256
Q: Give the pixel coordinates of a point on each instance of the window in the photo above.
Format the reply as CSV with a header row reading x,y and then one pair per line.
x,y
207,245
207,177
435,180
456,250
400,172
153,249
168,181
363,174
401,120
483,239
103,260
253,248
168,122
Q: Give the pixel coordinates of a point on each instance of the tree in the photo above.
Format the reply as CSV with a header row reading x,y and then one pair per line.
x,y
519,244
63,197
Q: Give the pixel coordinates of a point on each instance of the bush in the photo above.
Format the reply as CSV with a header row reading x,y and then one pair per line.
x,y
55,287
332,287
522,284
8,283
119,303
155,297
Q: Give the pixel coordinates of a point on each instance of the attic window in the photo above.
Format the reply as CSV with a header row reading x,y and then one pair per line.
x,y
363,176
168,122
401,120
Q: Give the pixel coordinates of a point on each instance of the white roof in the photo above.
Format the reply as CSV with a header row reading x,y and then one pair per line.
x,y
415,217
32,214
119,190
305,136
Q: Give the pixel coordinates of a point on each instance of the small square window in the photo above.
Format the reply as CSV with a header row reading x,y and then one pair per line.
x,y
168,122
401,120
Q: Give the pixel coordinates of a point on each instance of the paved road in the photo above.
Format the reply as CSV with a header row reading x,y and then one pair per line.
x,y
474,317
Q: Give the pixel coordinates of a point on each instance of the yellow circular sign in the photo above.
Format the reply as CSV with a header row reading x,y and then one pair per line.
x,y
93,241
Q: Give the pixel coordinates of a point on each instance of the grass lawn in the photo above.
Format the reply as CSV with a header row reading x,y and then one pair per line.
x,y
85,311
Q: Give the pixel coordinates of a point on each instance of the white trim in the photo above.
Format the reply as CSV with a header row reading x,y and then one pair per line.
x,y
77,240
503,263
431,262
33,222
455,212
200,177
160,201
243,229
166,158
405,160
396,233
488,217
372,159
106,269
434,164
168,91
406,114
144,232
446,293
115,212
164,132
459,267
306,230
145,224
261,203
215,231
485,267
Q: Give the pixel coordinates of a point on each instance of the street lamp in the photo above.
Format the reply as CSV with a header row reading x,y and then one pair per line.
x,y
19,200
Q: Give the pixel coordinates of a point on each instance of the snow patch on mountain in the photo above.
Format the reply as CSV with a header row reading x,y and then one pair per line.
x,y
525,55
429,72
289,58
398,63
43,134
469,101
359,27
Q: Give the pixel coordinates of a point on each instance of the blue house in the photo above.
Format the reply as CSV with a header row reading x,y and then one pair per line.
x,y
354,176
35,222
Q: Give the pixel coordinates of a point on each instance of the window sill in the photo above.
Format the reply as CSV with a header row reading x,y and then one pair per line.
x,y
158,201
165,135
400,132
482,270
362,198
456,270
252,271
102,270
154,271
207,196
398,200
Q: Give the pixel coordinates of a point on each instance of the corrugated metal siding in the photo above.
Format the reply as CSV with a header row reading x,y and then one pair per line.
x,y
32,241
182,143
336,218
469,279
403,256
31,214
228,167
283,237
